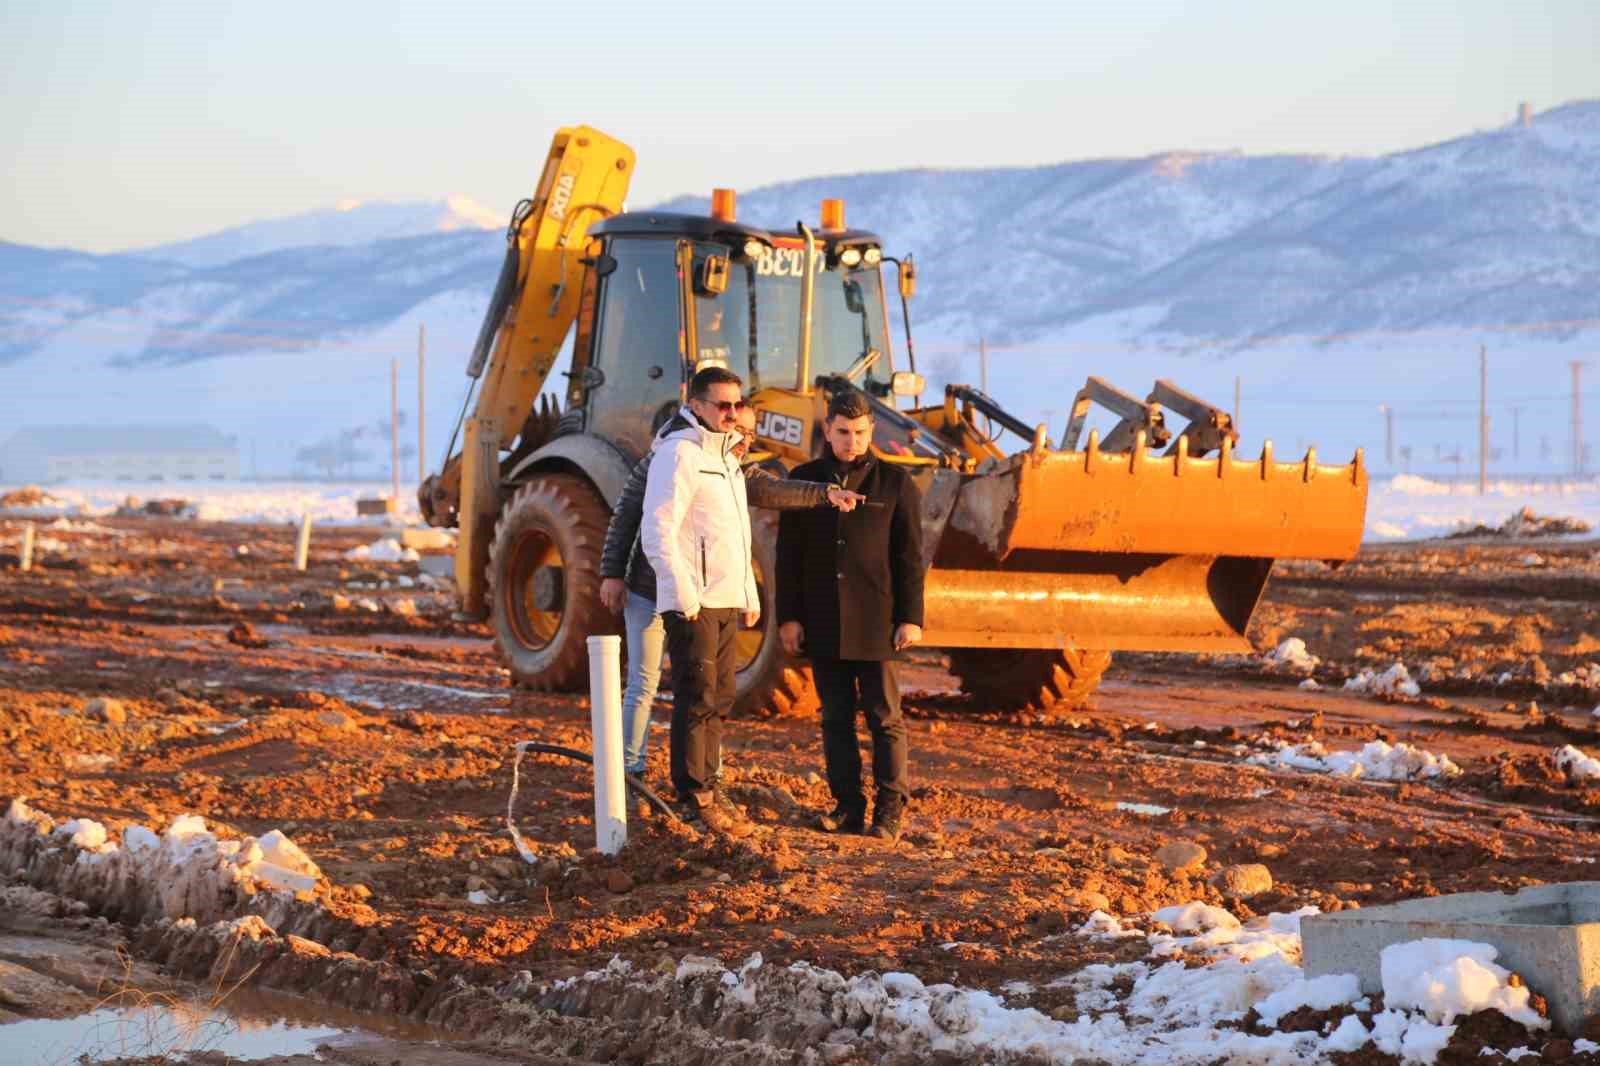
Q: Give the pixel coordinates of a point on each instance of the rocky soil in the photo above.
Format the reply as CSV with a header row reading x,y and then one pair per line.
x,y
151,667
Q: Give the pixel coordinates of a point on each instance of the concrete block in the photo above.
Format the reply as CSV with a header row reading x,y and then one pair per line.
x,y
1549,934
375,505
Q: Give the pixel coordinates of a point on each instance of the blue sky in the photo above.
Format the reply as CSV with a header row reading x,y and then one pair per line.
x,y
131,124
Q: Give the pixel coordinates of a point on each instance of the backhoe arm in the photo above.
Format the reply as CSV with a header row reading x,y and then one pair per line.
x,y
585,179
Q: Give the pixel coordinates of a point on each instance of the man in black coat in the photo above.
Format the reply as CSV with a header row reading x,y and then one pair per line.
x,y
849,598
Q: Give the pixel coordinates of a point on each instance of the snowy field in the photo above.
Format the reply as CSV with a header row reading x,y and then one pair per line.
x,y
1405,507
328,503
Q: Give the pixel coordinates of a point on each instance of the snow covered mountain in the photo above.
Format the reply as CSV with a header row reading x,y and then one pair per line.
x,y
1325,281
351,222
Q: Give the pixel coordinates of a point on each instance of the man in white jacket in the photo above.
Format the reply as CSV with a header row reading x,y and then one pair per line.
x,y
696,534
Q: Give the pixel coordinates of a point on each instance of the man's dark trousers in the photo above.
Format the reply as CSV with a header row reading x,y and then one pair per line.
x,y
838,682
702,654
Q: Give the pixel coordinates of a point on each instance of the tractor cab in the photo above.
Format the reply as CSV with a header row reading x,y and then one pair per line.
x,y
668,294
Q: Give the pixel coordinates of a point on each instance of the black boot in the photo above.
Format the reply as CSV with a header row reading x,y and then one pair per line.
x,y
844,819
887,815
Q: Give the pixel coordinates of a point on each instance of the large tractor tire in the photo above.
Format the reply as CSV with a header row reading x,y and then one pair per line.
x,y
544,582
769,681
1043,681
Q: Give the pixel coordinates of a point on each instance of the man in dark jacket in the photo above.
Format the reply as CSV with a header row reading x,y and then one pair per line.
x,y
628,583
849,598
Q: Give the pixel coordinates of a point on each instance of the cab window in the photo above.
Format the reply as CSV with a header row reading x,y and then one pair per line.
x,y
636,344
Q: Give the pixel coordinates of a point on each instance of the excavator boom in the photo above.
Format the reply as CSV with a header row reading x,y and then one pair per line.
x,y
585,179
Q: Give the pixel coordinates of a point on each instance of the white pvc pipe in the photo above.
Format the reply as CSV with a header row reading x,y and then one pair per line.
x,y
302,545
26,561
605,720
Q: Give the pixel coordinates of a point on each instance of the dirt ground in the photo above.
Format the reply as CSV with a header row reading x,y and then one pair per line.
x,y
344,706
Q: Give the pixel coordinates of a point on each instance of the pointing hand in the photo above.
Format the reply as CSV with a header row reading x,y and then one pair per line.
x,y
844,499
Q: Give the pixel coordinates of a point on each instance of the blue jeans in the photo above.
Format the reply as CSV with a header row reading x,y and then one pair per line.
x,y
647,638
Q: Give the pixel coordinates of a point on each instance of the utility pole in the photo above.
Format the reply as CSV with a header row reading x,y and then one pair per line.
x,y
1483,420
1388,435
422,410
983,367
1577,419
394,426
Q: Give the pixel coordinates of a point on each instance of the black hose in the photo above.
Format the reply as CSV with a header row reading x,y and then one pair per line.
x,y
584,757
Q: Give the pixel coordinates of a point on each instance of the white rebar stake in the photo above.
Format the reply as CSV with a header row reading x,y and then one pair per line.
x,y
605,719
302,545
27,553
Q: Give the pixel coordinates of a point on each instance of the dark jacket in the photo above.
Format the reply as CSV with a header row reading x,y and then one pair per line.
x,y
850,579
623,554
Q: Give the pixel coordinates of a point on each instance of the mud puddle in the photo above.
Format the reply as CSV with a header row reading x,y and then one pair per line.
x,y
246,1025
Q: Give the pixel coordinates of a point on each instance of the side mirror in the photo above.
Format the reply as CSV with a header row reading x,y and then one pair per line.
x,y
604,265
908,278
714,275
907,383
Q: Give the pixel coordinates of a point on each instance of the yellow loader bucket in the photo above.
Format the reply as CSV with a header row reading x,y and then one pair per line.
x,y
1131,551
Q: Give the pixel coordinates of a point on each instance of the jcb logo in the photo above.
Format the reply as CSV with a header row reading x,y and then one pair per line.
x,y
560,196
780,429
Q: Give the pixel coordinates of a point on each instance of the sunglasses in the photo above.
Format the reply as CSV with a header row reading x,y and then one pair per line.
x,y
727,407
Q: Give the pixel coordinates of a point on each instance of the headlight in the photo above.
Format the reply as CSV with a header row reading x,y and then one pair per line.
x,y
871,256
850,257
753,248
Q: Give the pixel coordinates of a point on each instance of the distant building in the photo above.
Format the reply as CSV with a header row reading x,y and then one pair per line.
x,y
118,453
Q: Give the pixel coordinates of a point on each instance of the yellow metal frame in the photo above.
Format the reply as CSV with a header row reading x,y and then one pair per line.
x,y
585,179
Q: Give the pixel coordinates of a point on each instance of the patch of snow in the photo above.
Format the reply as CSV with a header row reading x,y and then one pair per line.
x,y
185,872
1582,767
1318,993
1446,979
1395,681
479,897
1103,926
1349,1035
1146,808
1291,656
385,550
1196,918
1377,761
86,833
1412,1038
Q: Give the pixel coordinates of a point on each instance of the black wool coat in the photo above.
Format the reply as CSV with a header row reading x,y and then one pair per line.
x,y
850,579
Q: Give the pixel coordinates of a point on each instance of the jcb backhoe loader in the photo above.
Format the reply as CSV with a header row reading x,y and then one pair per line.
x,y
1041,563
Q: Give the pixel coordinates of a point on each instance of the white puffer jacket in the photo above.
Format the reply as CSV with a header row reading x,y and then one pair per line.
x,y
696,528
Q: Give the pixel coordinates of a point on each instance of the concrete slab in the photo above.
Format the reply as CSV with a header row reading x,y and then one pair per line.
x,y
1549,934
